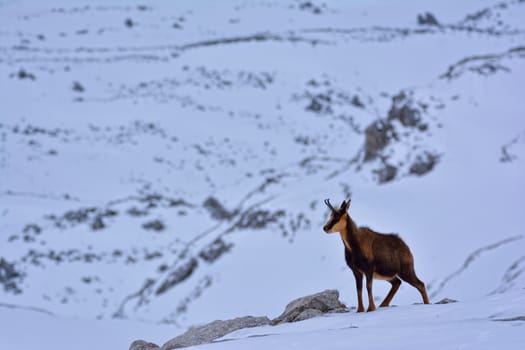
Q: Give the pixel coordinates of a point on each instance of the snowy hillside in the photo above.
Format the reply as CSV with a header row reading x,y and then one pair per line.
x,y
167,161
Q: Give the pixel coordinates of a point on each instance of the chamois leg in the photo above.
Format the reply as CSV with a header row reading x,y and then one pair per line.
x,y
412,279
359,287
369,280
395,282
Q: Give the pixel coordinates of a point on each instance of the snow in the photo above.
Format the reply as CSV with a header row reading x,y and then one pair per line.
x,y
165,122
25,329
466,325
479,323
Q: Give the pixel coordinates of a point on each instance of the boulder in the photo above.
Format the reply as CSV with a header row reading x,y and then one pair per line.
x,y
143,345
311,306
214,330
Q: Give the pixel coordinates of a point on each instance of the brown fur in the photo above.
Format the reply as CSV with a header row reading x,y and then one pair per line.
x,y
375,255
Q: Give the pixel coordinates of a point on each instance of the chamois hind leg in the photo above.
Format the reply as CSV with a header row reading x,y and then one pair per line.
x,y
359,287
412,279
395,282
369,279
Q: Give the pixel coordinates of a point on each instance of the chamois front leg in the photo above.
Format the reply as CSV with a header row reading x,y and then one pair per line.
x,y
369,279
359,287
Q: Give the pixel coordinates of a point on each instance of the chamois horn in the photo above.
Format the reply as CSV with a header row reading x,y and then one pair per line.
x,y
327,202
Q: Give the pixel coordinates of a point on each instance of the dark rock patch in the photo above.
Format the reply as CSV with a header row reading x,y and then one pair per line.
x,y
23,74
178,275
77,87
377,137
214,250
217,210
386,174
428,19
154,225
9,276
510,319
258,219
424,163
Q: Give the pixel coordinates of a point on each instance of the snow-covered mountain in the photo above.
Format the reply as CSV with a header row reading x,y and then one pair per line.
x,y
167,161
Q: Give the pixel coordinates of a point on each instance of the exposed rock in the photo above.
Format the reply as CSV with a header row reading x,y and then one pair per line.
x,y
320,103
357,102
298,310
446,301
8,276
98,223
32,228
404,110
311,306
180,274
308,313
211,331
258,219
386,174
155,225
143,345
424,163
77,87
377,136
427,19
23,74
217,210
510,319
214,250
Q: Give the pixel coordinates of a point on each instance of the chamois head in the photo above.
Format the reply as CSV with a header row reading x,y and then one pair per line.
x,y
337,220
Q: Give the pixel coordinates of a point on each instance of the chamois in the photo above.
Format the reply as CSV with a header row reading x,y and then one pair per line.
x,y
375,255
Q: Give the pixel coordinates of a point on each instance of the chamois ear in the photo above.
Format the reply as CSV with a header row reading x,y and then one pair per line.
x,y
345,205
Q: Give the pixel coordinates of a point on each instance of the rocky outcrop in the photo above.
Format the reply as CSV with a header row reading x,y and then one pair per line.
x,y
424,163
181,273
298,310
9,276
143,345
211,331
428,19
311,306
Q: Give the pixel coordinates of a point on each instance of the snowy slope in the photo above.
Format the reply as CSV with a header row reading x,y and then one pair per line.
x,y
480,323
167,162
486,323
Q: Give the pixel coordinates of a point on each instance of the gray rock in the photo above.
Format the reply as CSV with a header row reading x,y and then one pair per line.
x,y
142,345
377,136
446,301
386,174
424,163
214,330
181,273
308,313
217,210
427,19
9,276
404,110
311,306
215,250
